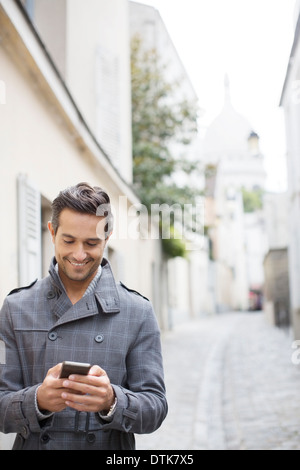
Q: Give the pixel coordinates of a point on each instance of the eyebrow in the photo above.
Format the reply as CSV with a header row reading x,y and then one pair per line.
x,y
88,239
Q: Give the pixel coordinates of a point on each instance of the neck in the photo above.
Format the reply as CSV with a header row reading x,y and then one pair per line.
x,y
75,289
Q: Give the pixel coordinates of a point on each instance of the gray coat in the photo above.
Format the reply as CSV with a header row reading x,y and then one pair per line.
x,y
115,328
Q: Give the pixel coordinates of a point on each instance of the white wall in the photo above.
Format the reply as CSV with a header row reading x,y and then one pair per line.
x,y
98,73
39,140
89,42
291,104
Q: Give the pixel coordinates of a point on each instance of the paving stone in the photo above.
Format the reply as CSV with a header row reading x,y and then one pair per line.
x,y
231,385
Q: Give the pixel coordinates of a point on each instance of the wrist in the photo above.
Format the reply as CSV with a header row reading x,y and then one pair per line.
x,y
38,400
41,414
110,409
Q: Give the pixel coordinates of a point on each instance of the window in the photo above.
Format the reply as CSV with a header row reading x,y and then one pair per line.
x,y
29,231
47,245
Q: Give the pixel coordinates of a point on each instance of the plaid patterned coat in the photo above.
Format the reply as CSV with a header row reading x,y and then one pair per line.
x,y
112,327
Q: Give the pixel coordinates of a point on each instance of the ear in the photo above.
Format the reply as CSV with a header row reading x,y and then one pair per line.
x,y
51,230
108,237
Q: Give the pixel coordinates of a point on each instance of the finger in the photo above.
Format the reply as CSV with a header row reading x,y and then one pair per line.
x,y
98,392
74,398
83,387
96,381
81,406
55,371
85,402
96,371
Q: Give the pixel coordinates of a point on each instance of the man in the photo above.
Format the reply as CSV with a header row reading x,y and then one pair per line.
x,y
79,313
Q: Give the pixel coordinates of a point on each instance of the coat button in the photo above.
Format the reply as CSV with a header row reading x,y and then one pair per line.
x,y
91,438
52,336
51,294
45,438
24,431
99,338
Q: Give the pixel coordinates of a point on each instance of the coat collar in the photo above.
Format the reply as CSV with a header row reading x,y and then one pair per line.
x,y
106,292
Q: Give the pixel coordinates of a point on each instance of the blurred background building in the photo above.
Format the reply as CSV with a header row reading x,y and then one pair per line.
x,y
276,262
235,177
188,281
290,102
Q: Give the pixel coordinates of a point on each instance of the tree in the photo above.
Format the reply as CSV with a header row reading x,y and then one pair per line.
x,y
253,200
158,122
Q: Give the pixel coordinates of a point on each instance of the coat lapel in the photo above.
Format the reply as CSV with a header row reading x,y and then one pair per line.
x,y
106,296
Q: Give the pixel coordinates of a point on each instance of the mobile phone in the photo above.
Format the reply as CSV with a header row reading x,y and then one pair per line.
x,y
78,368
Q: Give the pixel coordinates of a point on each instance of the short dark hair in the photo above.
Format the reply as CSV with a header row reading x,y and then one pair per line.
x,y
85,199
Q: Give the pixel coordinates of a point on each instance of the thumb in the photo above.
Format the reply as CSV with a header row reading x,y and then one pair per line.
x,y
55,371
96,371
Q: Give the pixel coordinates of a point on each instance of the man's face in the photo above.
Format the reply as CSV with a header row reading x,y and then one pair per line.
x,y
78,249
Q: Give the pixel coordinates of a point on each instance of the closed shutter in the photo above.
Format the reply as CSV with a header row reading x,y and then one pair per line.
x,y
29,227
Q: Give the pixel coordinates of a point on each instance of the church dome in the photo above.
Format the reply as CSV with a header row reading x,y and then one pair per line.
x,y
228,134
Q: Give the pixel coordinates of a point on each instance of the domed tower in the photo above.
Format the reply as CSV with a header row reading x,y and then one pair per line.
x,y
228,133
230,143
235,168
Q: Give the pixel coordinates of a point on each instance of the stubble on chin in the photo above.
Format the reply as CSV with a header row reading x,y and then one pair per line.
x,y
66,268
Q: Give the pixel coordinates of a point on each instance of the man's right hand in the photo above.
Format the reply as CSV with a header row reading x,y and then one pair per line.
x,y
49,392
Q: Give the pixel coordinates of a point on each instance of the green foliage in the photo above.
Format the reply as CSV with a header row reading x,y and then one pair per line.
x,y
253,200
173,247
159,120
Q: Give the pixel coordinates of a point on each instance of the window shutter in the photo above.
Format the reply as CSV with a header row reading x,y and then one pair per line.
x,y
29,218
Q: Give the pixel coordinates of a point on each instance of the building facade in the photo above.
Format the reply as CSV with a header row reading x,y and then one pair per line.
x,y
290,102
276,263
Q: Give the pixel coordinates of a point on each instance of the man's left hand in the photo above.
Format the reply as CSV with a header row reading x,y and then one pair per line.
x,y
92,392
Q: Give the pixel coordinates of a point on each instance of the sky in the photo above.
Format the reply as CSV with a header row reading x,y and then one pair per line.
x,y
250,41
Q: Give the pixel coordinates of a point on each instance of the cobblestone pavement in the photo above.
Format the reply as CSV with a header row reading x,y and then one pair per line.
x,y
231,385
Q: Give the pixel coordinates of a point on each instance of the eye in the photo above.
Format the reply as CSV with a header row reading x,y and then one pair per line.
x,y
91,244
68,242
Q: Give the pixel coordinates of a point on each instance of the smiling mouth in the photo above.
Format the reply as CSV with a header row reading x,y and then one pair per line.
x,y
78,264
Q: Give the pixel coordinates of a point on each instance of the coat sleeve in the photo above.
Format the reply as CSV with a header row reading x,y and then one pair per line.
x,y
142,405
17,404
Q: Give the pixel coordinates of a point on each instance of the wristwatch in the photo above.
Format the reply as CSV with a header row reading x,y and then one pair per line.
x,y
112,409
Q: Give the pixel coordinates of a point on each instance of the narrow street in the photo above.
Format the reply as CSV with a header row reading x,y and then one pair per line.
x,y
231,385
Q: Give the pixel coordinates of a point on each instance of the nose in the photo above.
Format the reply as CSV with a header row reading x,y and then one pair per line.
x,y
79,253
